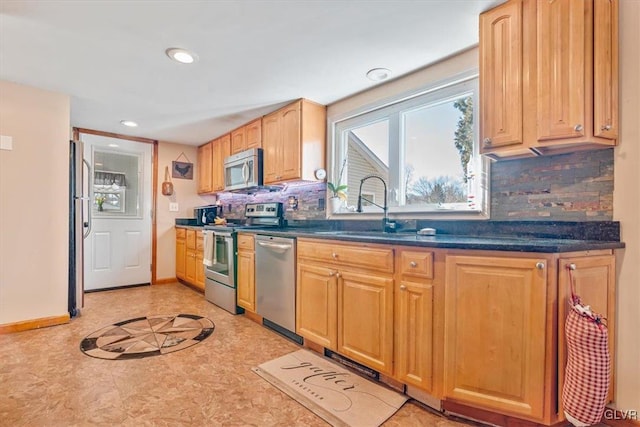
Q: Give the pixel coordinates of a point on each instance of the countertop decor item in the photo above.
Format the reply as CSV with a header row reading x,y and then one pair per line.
x,y
147,336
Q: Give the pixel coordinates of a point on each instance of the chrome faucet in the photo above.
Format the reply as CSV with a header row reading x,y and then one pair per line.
x,y
387,225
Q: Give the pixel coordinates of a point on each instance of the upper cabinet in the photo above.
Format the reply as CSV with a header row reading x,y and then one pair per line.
x,y
221,150
246,137
211,164
204,168
548,76
293,139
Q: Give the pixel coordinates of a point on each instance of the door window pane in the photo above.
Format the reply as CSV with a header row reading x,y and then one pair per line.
x,y
116,184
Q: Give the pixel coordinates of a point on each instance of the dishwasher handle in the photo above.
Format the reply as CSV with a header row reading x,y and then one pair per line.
x,y
280,248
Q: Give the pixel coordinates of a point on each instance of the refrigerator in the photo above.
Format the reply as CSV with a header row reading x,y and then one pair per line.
x,y
79,223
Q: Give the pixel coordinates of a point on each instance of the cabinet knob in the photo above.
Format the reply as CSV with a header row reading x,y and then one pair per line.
x,y
337,274
578,127
571,266
606,127
487,141
540,265
403,287
332,273
334,255
413,264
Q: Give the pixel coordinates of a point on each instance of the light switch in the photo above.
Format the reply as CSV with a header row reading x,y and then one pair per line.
x,y
6,142
173,207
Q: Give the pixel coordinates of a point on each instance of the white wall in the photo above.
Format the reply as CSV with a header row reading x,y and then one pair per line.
x,y
626,209
34,210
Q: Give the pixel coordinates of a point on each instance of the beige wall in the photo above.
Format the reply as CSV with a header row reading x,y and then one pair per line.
x,y
626,209
185,194
34,211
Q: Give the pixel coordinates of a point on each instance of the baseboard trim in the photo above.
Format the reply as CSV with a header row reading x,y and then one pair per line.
x,y
166,281
26,325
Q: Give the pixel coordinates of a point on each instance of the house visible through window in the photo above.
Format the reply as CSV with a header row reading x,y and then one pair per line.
x,y
424,147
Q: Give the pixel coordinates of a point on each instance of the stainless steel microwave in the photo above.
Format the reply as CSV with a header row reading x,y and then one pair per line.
x,y
243,170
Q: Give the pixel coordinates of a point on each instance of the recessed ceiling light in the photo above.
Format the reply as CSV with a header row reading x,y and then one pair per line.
x,y
182,56
113,145
378,74
129,123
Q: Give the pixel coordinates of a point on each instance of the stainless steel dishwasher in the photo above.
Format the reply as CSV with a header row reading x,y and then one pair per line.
x,y
276,281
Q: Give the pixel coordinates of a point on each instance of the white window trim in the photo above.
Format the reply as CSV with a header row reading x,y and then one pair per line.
x,y
384,107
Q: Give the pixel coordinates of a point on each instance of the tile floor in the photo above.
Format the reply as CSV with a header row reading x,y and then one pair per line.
x,y
45,380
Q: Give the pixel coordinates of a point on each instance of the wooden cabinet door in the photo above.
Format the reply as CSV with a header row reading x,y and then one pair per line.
x,y
271,143
238,141
253,134
221,150
204,168
562,61
200,277
181,257
594,278
316,304
190,271
414,334
246,280
291,142
501,89
495,313
605,72
365,319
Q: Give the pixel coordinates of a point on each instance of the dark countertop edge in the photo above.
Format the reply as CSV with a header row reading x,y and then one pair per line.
x,y
541,245
487,243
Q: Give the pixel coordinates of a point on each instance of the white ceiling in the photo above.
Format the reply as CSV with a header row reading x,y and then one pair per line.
x,y
254,55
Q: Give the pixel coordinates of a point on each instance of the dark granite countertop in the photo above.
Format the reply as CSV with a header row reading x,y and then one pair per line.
x,y
448,241
520,236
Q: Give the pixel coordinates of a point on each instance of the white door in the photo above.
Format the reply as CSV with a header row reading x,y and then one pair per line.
x,y
117,251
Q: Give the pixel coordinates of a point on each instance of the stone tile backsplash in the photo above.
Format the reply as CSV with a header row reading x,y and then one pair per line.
x,y
565,187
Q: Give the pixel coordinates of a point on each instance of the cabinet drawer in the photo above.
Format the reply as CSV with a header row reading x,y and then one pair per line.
x,y
337,252
181,233
191,239
416,263
245,242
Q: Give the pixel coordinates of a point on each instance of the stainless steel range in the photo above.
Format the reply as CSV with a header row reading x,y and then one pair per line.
x,y
220,252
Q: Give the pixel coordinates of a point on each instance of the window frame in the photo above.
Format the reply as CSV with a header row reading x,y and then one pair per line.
x,y
393,110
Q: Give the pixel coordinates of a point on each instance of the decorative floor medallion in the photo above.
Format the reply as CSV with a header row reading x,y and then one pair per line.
x,y
147,336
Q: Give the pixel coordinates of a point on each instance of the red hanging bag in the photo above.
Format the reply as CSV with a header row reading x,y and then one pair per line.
x,y
588,372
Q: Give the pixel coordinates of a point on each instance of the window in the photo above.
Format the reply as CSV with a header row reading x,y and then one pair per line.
x,y
424,147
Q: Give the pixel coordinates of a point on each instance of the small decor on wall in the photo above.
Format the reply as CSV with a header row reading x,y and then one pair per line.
x,y
182,170
167,185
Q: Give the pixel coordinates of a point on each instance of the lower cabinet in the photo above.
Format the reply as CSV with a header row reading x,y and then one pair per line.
x,y
246,283
316,304
414,312
189,254
365,318
343,306
494,333
479,332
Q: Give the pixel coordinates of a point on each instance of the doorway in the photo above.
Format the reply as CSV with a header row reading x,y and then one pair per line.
x,y
118,249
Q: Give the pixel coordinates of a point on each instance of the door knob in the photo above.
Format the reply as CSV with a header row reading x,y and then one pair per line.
x,y
487,141
578,127
413,264
540,265
606,127
403,287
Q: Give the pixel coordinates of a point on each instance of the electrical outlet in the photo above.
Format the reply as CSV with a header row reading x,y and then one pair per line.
x,y
173,207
